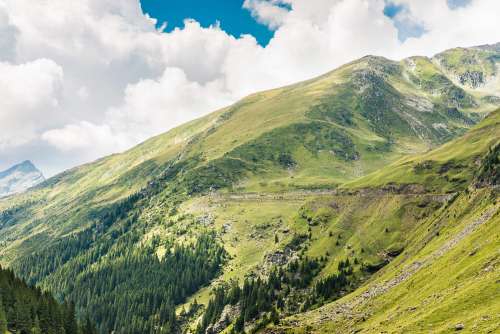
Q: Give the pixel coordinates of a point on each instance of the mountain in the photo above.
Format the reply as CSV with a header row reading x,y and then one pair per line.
x,y
269,213
18,178
445,278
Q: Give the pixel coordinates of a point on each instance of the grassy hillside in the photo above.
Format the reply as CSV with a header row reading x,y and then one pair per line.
x,y
450,167
397,226
444,281
318,186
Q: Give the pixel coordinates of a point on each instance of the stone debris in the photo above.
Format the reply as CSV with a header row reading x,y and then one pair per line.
x,y
278,258
229,313
226,227
473,79
206,220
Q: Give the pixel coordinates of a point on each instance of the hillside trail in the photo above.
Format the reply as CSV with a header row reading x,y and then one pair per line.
x,y
347,309
301,195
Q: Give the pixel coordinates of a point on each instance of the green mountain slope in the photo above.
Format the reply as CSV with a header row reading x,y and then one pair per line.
x,y
306,176
450,167
446,278
400,226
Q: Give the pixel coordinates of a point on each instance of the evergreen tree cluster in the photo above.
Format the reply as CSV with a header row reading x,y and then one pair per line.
x,y
332,286
261,300
133,291
489,171
27,310
121,283
138,293
110,222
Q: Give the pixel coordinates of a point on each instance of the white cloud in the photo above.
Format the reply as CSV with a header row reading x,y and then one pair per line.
x,y
83,93
149,107
447,27
268,12
8,36
29,100
150,104
125,81
83,135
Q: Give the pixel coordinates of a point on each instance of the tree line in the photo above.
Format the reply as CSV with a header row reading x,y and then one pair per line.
x,y
28,310
263,300
117,279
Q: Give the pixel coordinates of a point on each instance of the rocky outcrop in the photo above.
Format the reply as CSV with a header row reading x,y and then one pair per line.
x,y
279,257
229,313
472,79
488,174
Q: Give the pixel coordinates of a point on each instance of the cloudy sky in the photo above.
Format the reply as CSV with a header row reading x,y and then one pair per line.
x,y
82,79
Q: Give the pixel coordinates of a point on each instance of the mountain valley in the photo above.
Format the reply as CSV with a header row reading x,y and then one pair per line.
x,y
361,201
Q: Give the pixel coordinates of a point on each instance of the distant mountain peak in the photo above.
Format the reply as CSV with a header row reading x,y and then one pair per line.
x,y
26,165
19,178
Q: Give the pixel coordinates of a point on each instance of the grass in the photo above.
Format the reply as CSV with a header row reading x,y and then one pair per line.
x,y
368,227
457,288
460,60
427,169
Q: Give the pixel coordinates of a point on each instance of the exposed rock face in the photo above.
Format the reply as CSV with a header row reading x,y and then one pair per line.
x,y
279,257
473,79
206,220
228,315
19,178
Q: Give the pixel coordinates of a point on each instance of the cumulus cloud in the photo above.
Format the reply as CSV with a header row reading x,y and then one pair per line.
x,y
148,105
268,12
8,36
82,135
125,81
407,25
448,27
29,100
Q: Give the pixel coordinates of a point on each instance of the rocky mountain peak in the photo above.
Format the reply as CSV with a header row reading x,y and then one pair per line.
x,y
19,178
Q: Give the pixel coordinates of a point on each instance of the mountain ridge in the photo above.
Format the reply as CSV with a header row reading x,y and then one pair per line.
x,y
336,174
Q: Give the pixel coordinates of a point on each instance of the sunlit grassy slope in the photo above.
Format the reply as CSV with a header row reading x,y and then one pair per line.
x,y
447,278
362,162
377,109
451,166
370,222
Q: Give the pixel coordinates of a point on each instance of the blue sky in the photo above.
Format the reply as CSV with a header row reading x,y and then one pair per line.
x,y
458,3
393,9
406,27
236,20
233,18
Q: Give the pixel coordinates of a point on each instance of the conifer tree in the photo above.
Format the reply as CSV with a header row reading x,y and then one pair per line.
x,y
70,324
88,327
3,319
26,310
36,326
